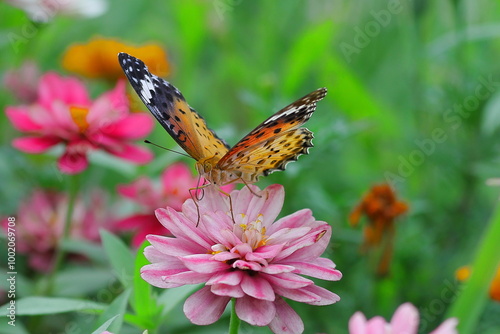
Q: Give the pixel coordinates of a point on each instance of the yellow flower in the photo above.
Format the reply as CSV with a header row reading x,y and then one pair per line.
x,y
98,58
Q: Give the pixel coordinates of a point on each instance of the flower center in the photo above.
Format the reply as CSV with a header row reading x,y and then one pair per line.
x,y
253,233
79,116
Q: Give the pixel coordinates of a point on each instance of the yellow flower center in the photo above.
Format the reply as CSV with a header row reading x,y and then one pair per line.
x,y
254,233
79,116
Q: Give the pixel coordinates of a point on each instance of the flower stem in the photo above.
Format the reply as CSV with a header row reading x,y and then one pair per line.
x,y
234,323
73,186
474,295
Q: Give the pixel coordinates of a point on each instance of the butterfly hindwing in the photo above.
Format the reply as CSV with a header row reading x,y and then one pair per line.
x,y
170,108
275,142
263,158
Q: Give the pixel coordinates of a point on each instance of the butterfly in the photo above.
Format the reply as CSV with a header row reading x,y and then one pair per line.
x,y
268,148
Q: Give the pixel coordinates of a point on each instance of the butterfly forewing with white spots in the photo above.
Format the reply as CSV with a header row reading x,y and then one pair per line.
x,y
168,106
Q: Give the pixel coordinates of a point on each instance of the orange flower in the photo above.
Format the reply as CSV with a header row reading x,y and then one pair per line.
x,y
381,208
463,273
98,58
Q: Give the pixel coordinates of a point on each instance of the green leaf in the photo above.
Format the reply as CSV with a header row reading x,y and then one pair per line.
x,y
83,280
172,297
491,118
349,93
301,60
88,249
120,257
105,325
143,302
471,302
15,327
114,164
116,310
25,286
191,23
47,305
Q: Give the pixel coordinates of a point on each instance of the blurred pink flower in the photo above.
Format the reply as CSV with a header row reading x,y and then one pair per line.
x,y
253,259
23,82
176,180
40,224
45,10
404,321
65,114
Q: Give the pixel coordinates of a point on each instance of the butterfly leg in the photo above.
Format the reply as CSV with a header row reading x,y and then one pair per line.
x,y
230,203
194,196
253,192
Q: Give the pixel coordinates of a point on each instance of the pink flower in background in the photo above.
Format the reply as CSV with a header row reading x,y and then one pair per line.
x,y
46,10
254,258
176,180
64,114
404,321
23,82
40,224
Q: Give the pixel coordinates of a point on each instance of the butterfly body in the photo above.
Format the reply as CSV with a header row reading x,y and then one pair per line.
x,y
207,168
267,148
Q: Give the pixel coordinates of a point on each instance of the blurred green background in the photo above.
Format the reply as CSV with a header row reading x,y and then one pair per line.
x,y
413,99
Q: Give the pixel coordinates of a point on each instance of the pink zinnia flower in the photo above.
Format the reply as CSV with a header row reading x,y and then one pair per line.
x,y
40,224
404,321
23,82
176,180
253,259
64,114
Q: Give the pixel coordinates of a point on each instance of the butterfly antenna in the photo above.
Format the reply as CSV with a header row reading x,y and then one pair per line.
x,y
167,149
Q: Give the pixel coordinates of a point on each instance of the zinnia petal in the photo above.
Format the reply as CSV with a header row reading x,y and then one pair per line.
x,y
202,263
357,324
405,319
204,308
257,287
181,227
447,327
286,321
68,90
21,119
227,278
35,144
133,126
256,312
73,163
327,297
233,291
313,270
132,153
174,246
115,100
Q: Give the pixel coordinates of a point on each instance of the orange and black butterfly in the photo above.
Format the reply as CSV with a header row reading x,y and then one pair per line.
x,y
268,148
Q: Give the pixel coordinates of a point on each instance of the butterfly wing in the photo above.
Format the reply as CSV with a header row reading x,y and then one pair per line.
x,y
275,142
169,107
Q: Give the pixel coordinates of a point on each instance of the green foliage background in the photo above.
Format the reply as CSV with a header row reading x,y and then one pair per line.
x,y
237,62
